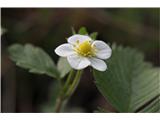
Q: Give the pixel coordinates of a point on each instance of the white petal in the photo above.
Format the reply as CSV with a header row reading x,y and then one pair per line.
x,y
78,62
103,50
64,50
73,39
98,64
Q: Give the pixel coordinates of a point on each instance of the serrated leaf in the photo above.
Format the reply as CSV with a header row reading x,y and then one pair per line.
x,y
94,35
129,83
83,31
63,67
34,59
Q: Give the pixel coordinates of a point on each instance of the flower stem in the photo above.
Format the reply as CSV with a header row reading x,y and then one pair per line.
x,y
58,104
74,85
68,89
68,81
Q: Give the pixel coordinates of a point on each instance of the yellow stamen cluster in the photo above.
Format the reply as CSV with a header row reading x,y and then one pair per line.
x,y
85,48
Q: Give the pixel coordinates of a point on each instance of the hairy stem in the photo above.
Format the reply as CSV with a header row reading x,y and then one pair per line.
x,y
74,85
68,89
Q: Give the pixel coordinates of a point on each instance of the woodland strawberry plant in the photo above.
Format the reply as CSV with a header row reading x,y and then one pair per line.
x,y
121,75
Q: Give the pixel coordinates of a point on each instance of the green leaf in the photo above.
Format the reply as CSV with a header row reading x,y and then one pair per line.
x,y
83,31
94,35
129,84
34,59
63,67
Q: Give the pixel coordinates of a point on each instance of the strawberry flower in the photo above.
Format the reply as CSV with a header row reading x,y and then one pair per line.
x,y
81,51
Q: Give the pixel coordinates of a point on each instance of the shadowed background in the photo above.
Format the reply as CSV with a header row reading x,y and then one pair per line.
x,y
48,28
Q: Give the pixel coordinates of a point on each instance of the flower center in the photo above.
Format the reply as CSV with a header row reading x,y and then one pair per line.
x,y
85,49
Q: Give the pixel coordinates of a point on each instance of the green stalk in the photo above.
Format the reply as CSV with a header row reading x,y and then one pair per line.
x,y
74,85
68,89
68,81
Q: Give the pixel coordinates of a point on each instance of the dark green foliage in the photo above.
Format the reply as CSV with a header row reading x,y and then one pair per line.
x,y
130,84
34,59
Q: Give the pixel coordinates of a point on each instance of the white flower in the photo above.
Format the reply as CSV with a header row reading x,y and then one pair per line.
x,y
81,51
